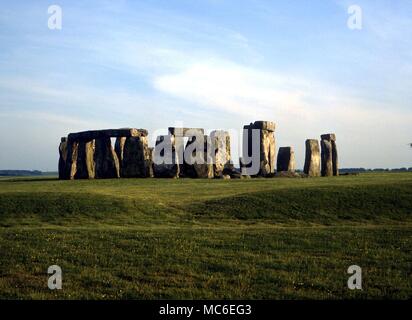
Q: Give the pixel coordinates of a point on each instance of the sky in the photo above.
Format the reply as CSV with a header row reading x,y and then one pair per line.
x,y
213,64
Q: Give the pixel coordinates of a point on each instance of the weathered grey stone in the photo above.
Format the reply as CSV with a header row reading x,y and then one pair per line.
x,y
265,125
136,158
119,148
286,159
267,146
63,158
312,158
165,150
71,160
186,132
326,157
106,161
85,167
329,155
328,136
199,165
335,162
221,153
108,133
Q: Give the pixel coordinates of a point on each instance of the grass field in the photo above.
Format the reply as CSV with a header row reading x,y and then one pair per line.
x,y
192,239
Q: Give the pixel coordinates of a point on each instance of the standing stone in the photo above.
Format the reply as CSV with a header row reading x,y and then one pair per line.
x,y
199,164
71,160
329,155
85,167
136,158
165,158
106,161
312,158
326,158
267,145
62,158
286,159
335,162
221,153
119,147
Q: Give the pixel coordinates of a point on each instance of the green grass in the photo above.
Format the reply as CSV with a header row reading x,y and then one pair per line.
x,y
199,239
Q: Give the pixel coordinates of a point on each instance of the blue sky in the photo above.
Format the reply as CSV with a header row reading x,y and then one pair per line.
x,y
211,64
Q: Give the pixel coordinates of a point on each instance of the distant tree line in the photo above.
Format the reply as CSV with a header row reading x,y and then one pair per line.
x,y
13,173
360,170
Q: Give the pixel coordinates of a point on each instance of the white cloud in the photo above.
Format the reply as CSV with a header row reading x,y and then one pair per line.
x,y
235,89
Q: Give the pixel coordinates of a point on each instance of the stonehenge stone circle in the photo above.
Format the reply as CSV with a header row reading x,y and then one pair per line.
x,y
312,158
286,159
188,152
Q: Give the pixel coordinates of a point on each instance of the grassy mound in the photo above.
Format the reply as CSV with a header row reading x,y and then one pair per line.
x,y
379,203
318,205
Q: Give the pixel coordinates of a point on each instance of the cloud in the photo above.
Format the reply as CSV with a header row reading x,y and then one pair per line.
x,y
236,89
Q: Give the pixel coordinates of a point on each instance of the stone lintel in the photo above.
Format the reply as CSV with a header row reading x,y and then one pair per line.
x,y
108,133
184,132
328,136
264,125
